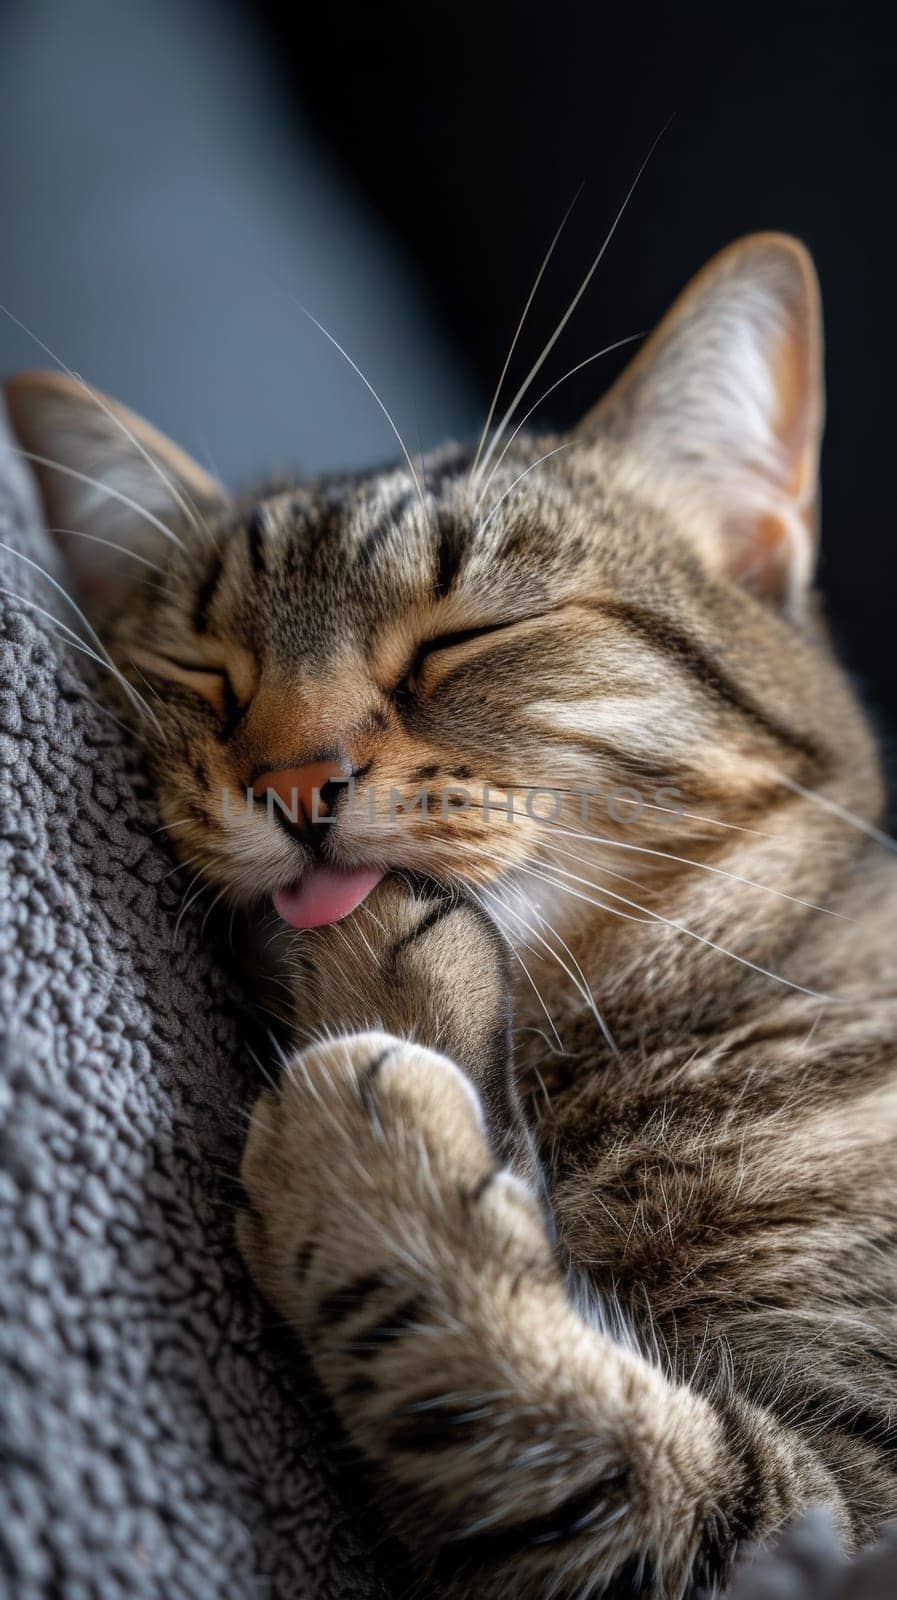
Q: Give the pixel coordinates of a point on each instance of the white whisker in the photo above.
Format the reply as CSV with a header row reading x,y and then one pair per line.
x,y
574,973
853,821
670,922
186,904
181,866
519,478
519,329
687,861
185,504
103,658
606,351
537,366
668,811
372,391
105,488
79,533
523,966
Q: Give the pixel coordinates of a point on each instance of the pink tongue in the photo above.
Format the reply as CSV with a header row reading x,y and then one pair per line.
x,y
325,894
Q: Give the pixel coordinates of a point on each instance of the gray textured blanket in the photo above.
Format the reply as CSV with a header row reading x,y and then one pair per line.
x,y
157,1437
156,1440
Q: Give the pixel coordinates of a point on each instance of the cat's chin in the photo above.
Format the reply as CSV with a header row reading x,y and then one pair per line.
x,y
325,894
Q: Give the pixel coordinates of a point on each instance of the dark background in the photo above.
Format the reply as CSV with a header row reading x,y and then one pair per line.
x,y
471,128
176,176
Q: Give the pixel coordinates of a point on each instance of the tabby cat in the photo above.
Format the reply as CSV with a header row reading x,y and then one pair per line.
x,y
579,1181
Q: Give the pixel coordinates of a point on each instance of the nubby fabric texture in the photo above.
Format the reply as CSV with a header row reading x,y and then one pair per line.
x,y
155,1438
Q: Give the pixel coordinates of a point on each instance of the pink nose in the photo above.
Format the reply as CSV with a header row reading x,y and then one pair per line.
x,y
302,790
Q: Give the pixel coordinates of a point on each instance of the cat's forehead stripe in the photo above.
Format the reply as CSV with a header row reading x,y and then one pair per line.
x,y
385,522
255,536
205,594
453,542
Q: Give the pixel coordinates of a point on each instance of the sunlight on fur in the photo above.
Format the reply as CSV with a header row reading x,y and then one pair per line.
x,y
576,1178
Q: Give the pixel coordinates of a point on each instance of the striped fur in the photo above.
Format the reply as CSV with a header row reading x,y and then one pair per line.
x,y
579,1184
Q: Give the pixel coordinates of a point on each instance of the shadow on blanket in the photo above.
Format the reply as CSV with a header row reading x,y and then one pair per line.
x,y
158,1438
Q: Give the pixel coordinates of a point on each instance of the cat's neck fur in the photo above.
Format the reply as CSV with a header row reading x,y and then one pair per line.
x,y
831,970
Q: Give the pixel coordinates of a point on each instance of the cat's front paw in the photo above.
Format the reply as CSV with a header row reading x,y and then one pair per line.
x,y
415,960
420,962
365,1145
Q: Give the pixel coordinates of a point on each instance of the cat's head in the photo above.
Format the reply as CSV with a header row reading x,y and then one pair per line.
x,y
626,608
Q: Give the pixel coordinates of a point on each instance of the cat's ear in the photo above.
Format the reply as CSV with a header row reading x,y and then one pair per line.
x,y
107,478
724,404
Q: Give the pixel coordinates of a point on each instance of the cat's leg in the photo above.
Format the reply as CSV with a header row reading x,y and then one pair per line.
x,y
520,1449
419,962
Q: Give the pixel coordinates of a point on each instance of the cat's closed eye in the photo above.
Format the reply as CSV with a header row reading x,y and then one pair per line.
x,y
410,681
213,684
